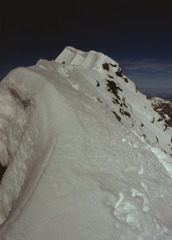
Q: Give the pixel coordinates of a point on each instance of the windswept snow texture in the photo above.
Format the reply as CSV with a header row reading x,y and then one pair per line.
x,y
86,156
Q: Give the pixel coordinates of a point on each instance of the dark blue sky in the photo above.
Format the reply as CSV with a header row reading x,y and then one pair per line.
x,y
137,34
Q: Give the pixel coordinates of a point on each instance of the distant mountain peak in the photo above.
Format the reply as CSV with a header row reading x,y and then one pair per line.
x,y
164,108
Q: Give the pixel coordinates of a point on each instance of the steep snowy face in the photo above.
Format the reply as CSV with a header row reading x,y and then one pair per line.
x,y
113,89
83,154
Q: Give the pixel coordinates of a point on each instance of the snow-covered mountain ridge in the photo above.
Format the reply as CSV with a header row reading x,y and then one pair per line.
x,y
86,154
164,108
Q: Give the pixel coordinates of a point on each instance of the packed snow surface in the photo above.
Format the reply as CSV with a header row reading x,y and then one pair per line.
x,y
86,155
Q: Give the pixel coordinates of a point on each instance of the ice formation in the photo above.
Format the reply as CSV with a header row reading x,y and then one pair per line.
x,y
85,154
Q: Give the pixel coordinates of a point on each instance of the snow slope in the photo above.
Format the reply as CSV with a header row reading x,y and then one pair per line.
x,y
86,154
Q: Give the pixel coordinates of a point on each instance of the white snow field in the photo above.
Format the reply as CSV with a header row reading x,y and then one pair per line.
x,y
87,157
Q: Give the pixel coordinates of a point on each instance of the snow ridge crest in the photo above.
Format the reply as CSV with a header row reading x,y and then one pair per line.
x,y
91,59
84,153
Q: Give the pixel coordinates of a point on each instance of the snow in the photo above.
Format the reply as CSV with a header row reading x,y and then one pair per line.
x,y
85,153
158,101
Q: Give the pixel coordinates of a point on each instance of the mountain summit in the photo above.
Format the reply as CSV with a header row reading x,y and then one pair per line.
x,y
83,154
